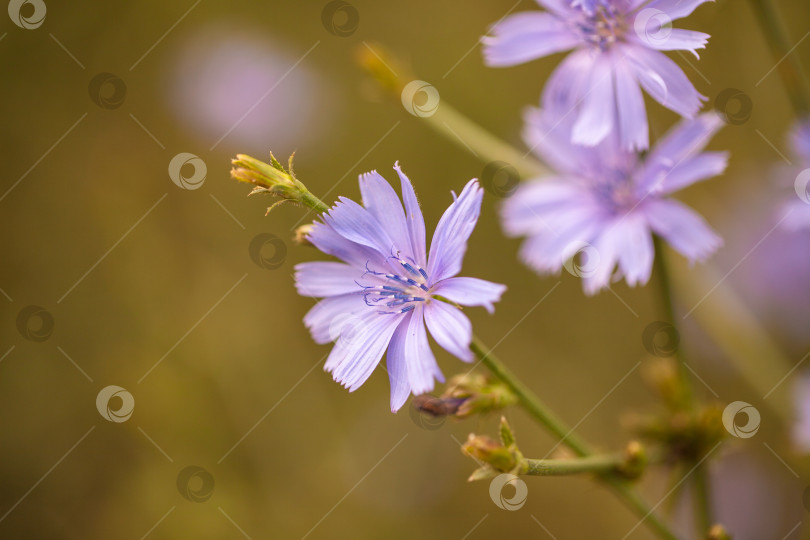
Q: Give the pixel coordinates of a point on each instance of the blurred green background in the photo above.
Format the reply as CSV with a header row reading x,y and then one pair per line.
x,y
152,287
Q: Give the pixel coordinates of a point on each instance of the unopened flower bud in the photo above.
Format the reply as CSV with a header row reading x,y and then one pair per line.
x,y
485,450
478,394
272,178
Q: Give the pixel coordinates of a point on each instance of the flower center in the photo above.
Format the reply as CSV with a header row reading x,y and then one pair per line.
x,y
401,291
602,23
616,191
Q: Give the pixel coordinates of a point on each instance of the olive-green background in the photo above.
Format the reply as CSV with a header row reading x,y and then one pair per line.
x,y
239,371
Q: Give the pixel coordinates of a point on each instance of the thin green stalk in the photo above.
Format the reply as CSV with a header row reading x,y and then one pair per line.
x,y
598,464
668,309
529,401
790,69
626,493
469,136
702,499
393,76
703,503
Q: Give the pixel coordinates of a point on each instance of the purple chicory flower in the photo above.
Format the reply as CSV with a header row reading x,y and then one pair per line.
x,y
796,211
386,289
616,52
603,202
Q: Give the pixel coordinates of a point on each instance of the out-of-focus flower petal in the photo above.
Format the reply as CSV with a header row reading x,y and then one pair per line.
x,y
666,82
636,250
631,110
681,40
682,228
527,36
695,169
595,119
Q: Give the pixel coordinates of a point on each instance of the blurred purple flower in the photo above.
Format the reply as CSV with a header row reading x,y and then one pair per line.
x,y
387,289
796,212
234,85
616,47
603,202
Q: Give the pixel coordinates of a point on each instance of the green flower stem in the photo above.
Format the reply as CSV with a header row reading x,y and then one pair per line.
x,y
665,287
529,401
790,69
702,499
468,135
703,503
542,414
392,76
733,326
598,464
